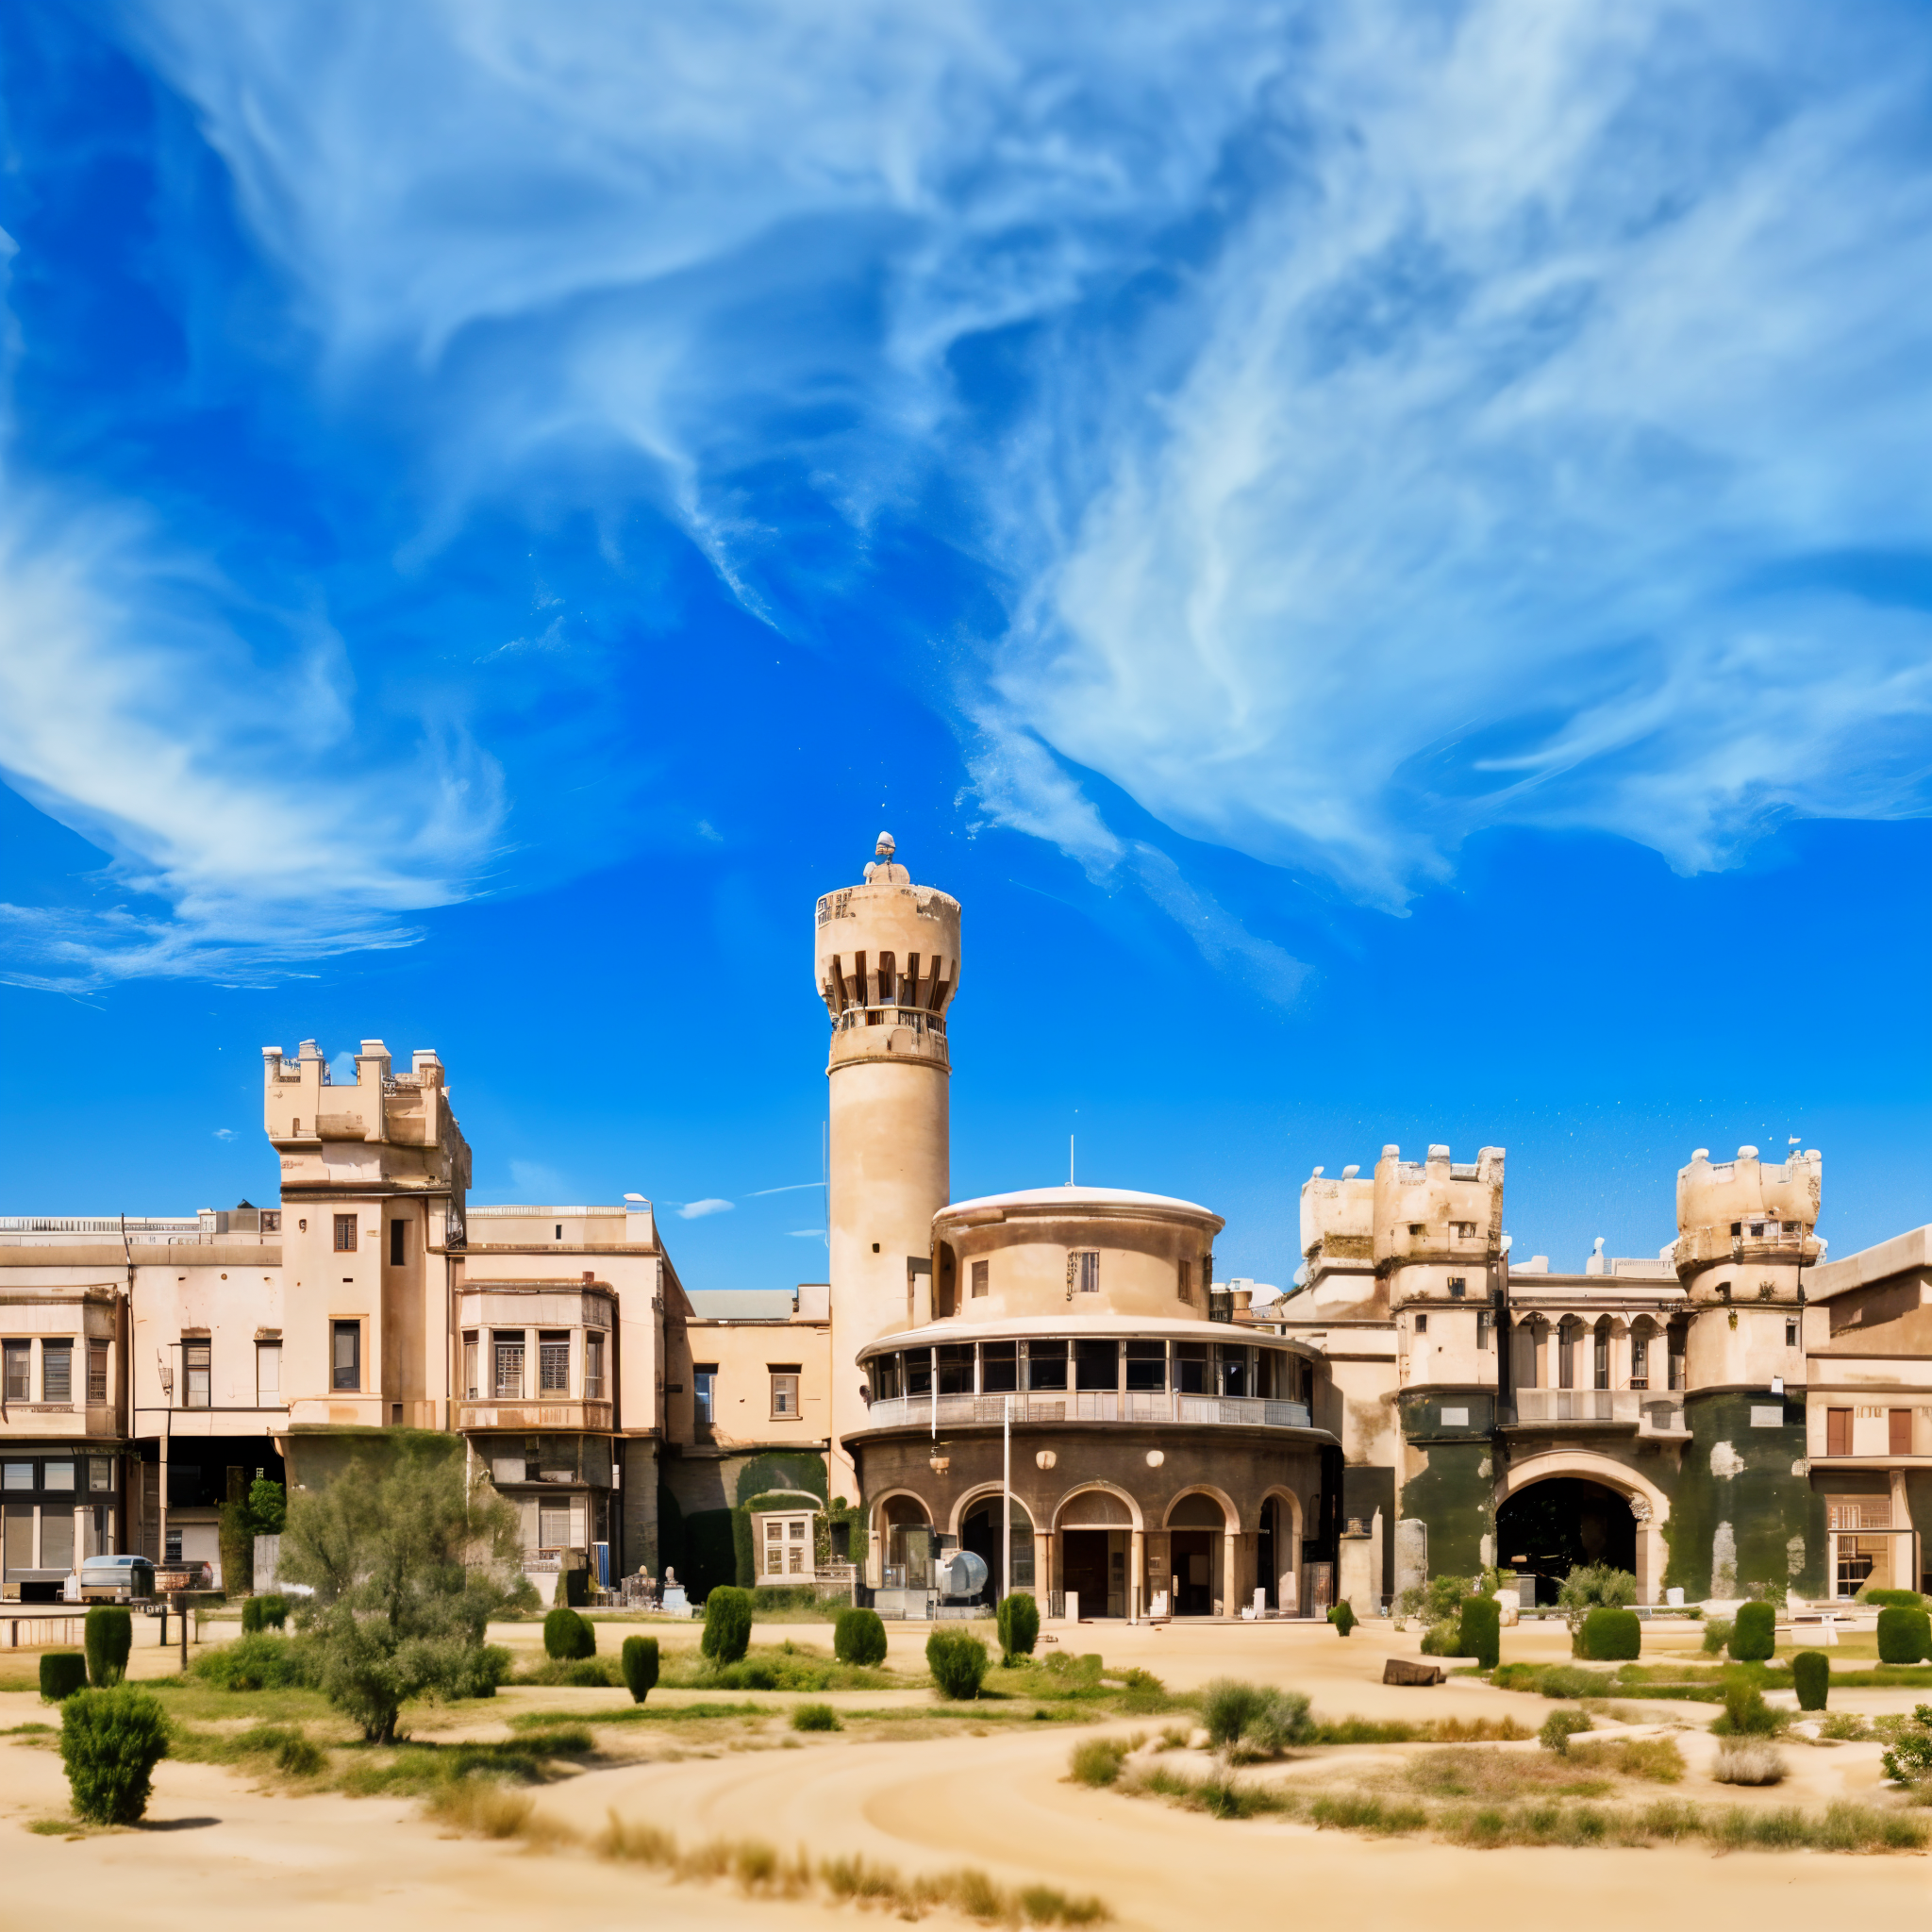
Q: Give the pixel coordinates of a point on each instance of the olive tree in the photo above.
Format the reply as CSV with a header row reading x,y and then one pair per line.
x,y
408,1563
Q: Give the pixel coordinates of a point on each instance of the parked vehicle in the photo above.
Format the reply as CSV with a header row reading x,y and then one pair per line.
x,y
116,1579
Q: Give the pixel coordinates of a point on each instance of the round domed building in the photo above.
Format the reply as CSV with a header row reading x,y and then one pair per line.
x,y
1054,1354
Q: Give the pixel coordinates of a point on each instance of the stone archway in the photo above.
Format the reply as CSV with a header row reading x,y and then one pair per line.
x,y
1278,1549
1097,1535
977,1521
1648,1508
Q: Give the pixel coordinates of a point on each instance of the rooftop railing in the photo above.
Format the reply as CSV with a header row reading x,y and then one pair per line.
x,y
1091,1405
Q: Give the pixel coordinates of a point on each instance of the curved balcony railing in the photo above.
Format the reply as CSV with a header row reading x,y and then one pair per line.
x,y
1090,1406
890,1015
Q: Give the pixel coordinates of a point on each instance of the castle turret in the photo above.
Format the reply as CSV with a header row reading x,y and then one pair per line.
x,y
888,966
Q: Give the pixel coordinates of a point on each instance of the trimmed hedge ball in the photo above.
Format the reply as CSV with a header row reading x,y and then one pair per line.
x,y
859,1638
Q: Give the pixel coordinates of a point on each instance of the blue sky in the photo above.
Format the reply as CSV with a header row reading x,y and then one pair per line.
x,y
1384,552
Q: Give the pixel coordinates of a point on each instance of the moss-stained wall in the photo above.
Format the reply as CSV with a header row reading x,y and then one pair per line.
x,y
1449,1479
1742,1512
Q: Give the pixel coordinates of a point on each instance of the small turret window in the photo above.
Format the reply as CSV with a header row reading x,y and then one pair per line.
x,y
1083,1271
982,1272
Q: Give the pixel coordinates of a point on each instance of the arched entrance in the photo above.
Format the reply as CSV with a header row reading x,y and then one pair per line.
x,y
979,1531
1561,1523
904,1540
1097,1537
1196,1525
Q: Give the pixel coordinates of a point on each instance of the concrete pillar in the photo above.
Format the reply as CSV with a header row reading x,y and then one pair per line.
x,y
1042,1566
1230,1573
1136,1575
1411,1553
1355,1586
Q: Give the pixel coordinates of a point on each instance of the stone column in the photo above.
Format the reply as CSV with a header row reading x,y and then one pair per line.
x,y
1230,1573
1137,1574
1042,1566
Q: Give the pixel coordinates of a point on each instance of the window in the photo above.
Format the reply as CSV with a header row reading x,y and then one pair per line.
x,y
955,1365
509,1352
1482,1328
785,1390
1639,1360
553,1525
1899,1427
398,1243
981,1271
18,1476
1463,1230
345,1234
1736,1227
1083,1272
1191,1368
1838,1432
1422,1324
19,1371
1185,1281
553,1364
704,1393
593,1368
268,1374
271,1221
1096,1364
1459,1287
196,1374
100,1473
1147,1366
1236,1369
1600,1360
1046,1365
1417,1229
469,1365
560,1230
97,1371
885,1378
1675,1344
57,1372
1791,1335
56,1476
999,1367
171,1549
345,1354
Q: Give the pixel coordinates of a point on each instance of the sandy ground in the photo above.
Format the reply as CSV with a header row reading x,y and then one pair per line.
x,y
219,1852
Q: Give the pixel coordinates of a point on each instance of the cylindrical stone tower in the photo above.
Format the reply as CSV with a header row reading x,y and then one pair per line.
x,y
888,961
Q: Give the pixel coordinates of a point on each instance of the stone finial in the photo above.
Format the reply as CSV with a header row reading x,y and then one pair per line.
x,y
885,848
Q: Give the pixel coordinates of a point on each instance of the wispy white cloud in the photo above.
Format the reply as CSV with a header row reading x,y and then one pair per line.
x,y
1416,420
696,1210
243,827
793,1188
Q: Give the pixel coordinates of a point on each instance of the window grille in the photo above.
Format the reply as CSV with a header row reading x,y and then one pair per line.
x,y
553,1364
345,1234
97,1371
510,1367
57,1372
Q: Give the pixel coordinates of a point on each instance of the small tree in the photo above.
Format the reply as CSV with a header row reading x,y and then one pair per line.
x,y
62,1673
859,1638
268,1507
108,1635
957,1661
1019,1626
728,1625
638,1659
110,1741
1342,1617
1811,1678
407,1564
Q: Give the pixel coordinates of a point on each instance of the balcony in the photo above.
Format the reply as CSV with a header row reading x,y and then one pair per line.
x,y
1089,1406
1602,1408
549,1413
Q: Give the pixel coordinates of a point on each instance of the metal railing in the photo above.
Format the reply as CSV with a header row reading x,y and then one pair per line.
x,y
1091,1405
1627,1406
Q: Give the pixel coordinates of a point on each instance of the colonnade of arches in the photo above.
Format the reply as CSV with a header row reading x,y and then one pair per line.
x,y
1196,1556
1612,1351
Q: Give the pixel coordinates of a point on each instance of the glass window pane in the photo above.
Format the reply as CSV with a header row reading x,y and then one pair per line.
x,y
554,1364
57,1372
20,1370
1046,1365
918,1372
956,1368
1190,1367
100,1473
886,1381
999,1367
18,1476
1097,1364
58,1476
1147,1366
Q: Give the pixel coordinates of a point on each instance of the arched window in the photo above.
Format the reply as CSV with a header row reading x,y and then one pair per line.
x,y
1600,1355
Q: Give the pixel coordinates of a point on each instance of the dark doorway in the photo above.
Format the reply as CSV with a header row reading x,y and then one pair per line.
x,y
1193,1572
1265,1547
1084,1568
1560,1524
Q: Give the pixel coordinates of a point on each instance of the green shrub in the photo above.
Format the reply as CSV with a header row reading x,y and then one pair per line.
x,y
1482,1630
1019,1626
728,1625
639,1658
110,1741
258,1663
1904,1635
816,1716
1608,1636
1594,1586
1900,1599
859,1638
268,1507
1717,1635
1755,1635
109,1634
1254,1721
1342,1617
1559,1728
275,1611
1443,1639
567,1636
1745,1710
1908,1758
1097,1761
1811,1674
251,1615
62,1672
958,1662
